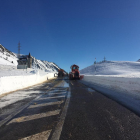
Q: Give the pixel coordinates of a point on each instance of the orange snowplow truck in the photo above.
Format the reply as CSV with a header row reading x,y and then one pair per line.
x,y
75,74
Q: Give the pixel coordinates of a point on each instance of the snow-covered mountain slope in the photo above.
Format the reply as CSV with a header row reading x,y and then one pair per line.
x,y
113,68
51,65
44,65
9,58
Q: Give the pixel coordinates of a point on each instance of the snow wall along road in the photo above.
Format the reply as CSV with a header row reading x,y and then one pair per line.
x,y
12,83
125,90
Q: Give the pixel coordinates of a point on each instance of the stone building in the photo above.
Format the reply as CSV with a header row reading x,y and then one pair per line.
x,y
29,61
24,62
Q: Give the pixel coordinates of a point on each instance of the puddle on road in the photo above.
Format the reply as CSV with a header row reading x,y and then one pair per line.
x,y
90,90
63,84
66,84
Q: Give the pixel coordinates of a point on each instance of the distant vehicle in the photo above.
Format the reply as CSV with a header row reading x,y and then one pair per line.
x,y
61,73
74,74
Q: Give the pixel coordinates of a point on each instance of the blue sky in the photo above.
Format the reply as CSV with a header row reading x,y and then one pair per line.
x,y
72,31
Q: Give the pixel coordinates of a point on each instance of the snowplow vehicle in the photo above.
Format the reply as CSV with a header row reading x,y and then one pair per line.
x,y
60,73
75,74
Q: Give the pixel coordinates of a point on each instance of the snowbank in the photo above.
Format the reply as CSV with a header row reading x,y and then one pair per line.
x,y
11,83
122,83
123,89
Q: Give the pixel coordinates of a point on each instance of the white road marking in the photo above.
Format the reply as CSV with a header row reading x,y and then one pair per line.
x,y
62,91
71,83
17,111
45,104
21,108
39,136
58,93
51,97
59,126
90,90
35,116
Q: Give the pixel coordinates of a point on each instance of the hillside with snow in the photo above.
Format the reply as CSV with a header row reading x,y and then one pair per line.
x,y
113,68
7,57
8,65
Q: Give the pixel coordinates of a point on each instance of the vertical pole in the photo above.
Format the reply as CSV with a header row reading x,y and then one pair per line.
x,y
95,65
19,49
104,59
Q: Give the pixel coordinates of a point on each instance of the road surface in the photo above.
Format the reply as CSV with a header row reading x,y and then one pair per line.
x,y
65,110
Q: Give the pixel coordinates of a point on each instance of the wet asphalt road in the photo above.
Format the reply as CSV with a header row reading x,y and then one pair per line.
x,y
93,116
89,116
